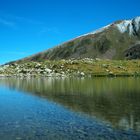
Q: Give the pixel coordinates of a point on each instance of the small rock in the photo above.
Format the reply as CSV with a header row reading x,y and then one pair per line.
x,y
82,74
48,70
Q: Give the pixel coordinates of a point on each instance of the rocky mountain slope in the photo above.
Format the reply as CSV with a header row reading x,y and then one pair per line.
x,y
119,40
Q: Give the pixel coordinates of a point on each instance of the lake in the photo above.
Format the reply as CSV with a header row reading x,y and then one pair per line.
x,y
70,109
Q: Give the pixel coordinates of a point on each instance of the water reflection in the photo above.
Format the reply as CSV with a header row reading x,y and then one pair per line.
x,y
115,100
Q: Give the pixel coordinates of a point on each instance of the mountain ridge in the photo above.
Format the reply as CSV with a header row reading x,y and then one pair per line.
x,y
109,42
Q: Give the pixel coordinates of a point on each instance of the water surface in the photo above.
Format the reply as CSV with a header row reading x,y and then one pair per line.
x,y
69,109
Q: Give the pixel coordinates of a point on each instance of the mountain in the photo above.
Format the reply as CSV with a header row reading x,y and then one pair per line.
x,y
119,40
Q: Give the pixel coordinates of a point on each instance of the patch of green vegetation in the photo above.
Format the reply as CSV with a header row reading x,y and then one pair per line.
x,y
74,67
102,45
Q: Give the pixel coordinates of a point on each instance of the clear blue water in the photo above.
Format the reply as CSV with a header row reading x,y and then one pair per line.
x,y
69,109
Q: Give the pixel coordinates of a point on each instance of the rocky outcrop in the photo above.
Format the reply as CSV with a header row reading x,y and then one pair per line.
x,y
133,52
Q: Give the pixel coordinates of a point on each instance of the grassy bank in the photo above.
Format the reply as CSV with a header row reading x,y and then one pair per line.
x,y
84,67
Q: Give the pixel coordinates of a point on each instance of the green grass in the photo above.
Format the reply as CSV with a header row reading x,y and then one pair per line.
x,y
90,67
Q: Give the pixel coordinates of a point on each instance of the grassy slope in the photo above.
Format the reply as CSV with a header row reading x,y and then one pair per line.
x,y
89,67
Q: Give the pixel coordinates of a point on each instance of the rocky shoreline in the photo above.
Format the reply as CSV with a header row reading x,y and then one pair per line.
x,y
71,68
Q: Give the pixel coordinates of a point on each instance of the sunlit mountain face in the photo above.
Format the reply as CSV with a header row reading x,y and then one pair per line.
x,y
118,40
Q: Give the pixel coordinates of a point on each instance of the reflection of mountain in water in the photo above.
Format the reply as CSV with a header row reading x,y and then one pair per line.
x,y
113,100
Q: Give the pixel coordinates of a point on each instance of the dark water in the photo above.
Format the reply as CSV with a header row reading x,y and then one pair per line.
x,y
70,109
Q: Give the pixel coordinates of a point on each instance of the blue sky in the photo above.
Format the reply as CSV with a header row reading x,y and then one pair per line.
x,y
31,26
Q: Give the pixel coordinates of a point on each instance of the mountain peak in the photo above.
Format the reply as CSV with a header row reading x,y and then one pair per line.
x,y
130,26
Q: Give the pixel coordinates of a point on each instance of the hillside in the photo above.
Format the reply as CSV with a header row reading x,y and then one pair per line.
x,y
119,40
